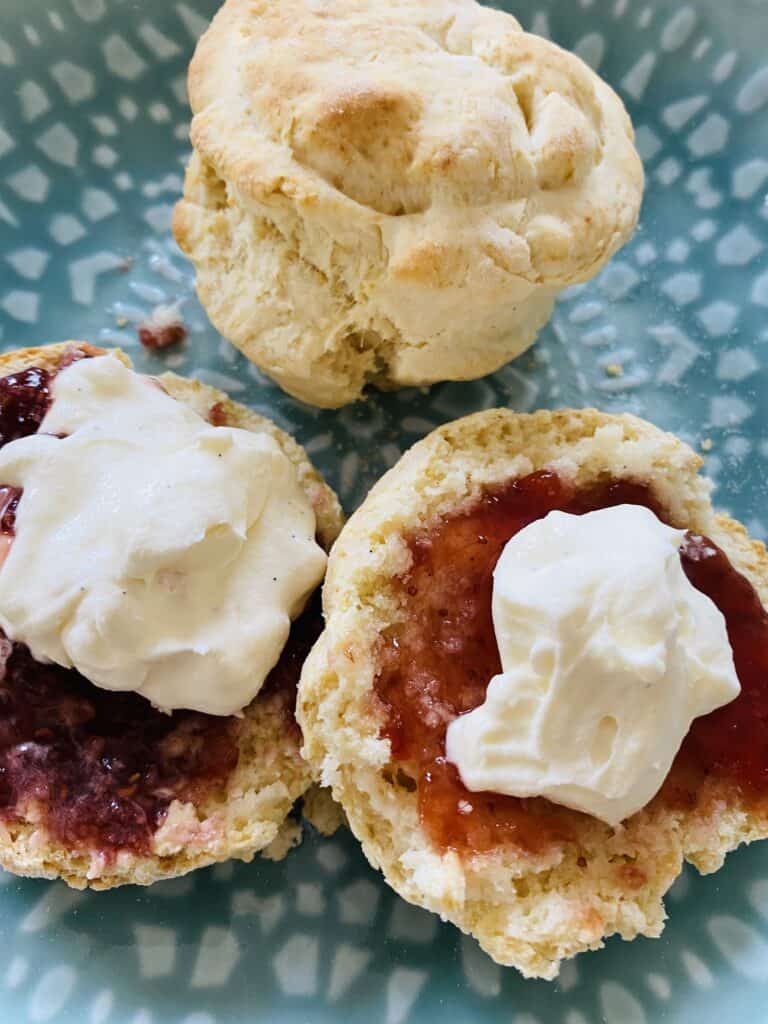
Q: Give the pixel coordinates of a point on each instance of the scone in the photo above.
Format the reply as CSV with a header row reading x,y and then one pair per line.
x,y
97,785
394,193
409,650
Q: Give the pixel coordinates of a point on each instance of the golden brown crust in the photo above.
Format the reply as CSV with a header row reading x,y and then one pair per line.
x,y
49,357
527,910
251,815
375,184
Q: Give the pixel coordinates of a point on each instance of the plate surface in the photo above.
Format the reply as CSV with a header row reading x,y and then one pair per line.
x,y
93,138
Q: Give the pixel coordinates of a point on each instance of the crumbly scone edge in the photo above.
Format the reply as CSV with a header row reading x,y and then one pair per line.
x,y
252,814
528,911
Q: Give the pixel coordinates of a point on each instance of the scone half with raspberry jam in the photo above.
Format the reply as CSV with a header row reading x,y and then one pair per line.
x,y
543,680
162,552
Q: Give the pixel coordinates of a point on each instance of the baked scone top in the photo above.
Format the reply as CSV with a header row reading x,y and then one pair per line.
x,y
438,125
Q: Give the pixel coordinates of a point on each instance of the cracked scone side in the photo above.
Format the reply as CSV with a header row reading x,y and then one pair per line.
x,y
402,220
527,910
251,812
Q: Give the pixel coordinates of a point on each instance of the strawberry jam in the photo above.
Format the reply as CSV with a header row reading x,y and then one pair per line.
x,y
101,767
437,663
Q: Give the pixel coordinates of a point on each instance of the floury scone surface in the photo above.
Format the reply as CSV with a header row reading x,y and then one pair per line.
x,y
395,194
671,330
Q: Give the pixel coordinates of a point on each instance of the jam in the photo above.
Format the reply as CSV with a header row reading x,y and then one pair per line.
x,y
102,767
217,415
437,663
24,401
284,677
25,398
9,502
733,740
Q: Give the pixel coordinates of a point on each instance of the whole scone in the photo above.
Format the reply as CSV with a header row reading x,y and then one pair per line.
x,y
533,881
257,770
394,193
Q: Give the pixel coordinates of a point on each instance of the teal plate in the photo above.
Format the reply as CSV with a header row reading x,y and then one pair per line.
x,y
93,139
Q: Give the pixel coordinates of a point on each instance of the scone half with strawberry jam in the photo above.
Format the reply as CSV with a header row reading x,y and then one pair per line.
x,y
162,550
543,680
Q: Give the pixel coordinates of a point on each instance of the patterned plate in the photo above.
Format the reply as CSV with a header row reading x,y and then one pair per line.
x,y
93,138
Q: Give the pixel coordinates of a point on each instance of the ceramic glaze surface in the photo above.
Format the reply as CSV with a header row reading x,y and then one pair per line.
x,y
93,141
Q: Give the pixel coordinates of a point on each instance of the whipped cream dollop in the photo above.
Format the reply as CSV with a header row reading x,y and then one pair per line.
x,y
152,551
608,653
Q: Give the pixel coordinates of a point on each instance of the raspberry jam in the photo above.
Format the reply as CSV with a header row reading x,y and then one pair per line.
x,y
438,662
103,767
9,502
24,401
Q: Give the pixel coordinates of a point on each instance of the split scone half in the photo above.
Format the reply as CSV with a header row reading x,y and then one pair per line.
x,y
409,646
102,788
394,193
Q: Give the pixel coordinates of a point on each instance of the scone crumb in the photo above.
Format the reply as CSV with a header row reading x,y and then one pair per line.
x,y
322,811
287,837
614,370
706,444
164,327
